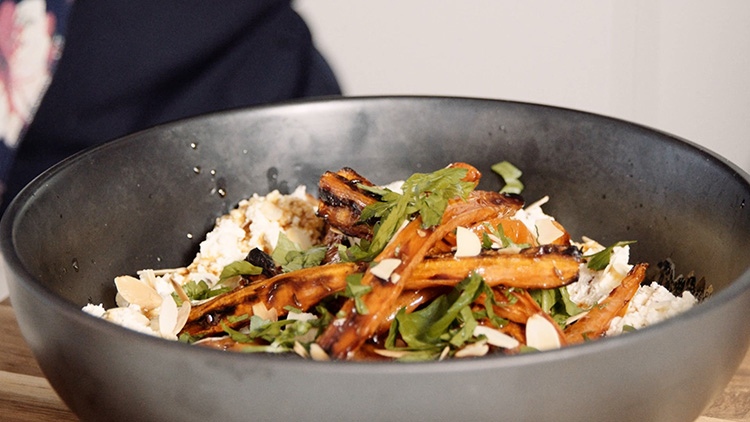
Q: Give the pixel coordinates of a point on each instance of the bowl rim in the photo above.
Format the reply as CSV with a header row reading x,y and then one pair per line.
x,y
33,286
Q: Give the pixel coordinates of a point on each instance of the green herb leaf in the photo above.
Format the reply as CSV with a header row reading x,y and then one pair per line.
x,y
239,268
291,257
188,338
428,328
199,291
505,241
511,175
425,194
239,318
355,290
600,260
556,303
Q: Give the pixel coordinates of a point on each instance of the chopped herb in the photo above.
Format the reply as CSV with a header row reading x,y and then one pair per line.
x,y
600,260
292,310
239,268
505,241
425,194
527,349
291,257
199,291
511,175
628,328
447,319
188,338
556,303
237,318
355,290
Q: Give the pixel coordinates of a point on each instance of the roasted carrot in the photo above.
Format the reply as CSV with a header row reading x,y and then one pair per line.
x,y
595,323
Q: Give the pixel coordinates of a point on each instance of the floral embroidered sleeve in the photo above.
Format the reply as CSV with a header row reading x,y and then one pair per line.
x,y
31,38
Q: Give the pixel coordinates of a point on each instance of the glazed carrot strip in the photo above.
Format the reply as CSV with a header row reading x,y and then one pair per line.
x,y
302,289
533,268
596,322
409,246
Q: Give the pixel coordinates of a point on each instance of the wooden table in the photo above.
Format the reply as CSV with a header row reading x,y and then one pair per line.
x,y
25,395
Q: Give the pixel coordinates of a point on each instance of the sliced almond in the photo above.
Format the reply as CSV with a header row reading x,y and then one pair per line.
x,y
300,350
479,348
576,317
385,268
547,231
317,352
395,354
467,243
137,292
148,277
495,337
444,353
541,334
180,291
259,309
183,313
167,317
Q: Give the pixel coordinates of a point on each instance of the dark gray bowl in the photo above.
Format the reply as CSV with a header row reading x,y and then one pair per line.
x,y
146,200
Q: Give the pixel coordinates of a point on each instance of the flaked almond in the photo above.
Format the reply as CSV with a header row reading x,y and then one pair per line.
x,y
137,292
183,313
467,243
495,337
180,291
167,317
300,350
541,334
395,354
259,309
576,317
444,353
165,271
547,230
479,348
317,352
148,277
385,268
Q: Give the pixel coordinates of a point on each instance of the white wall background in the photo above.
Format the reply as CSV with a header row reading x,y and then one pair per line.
x,y
682,66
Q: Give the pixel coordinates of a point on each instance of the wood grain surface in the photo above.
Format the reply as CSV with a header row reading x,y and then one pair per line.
x,y
25,395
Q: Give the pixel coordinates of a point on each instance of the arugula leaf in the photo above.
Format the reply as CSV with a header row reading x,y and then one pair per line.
x,y
600,260
556,303
238,268
429,328
199,291
505,241
238,318
466,330
189,338
355,290
425,194
490,303
291,257
511,175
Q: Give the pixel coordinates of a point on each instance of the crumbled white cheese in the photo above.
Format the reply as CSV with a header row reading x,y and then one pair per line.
x,y
95,310
651,304
256,222
593,286
130,317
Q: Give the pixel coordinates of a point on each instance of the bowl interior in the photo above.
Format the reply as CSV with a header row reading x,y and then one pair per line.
x,y
146,201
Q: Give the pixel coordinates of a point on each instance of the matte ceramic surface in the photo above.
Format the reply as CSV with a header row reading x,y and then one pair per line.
x,y
145,201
